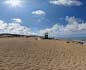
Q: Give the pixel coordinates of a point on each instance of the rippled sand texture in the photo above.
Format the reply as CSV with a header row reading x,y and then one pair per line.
x,y
26,54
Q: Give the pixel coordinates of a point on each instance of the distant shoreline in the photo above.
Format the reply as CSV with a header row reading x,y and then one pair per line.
x,y
35,37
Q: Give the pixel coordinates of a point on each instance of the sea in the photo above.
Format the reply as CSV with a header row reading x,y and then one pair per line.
x,y
80,39
76,38
72,38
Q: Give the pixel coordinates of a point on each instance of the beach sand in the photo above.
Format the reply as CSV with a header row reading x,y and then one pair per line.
x,y
31,54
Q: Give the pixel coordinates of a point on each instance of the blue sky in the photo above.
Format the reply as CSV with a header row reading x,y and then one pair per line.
x,y
57,17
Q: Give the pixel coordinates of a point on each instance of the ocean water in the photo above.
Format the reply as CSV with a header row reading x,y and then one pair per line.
x,y
74,38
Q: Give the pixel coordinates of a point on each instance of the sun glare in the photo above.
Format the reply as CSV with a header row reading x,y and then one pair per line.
x,y
14,3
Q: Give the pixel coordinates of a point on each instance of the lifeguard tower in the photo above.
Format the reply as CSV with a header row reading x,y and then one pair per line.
x,y
46,35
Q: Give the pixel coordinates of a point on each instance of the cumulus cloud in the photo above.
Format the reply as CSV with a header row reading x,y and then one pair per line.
x,y
17,20
75,26
14,27
39,12
66,2
2,25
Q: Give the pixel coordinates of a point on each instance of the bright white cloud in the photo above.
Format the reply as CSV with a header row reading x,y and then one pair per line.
x,y
39,12
14,27
66,2
74,26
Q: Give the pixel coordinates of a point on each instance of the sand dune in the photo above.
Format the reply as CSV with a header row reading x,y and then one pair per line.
x,y
31,54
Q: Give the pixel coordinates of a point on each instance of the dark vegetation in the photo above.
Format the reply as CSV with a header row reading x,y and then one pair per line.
x,y
6,35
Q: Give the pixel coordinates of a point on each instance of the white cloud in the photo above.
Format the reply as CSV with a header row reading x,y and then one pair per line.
x,y
66,2
39,12
75,26
54,30
2,25
17,20
14,27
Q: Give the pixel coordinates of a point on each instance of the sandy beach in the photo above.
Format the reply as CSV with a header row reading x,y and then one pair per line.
x,y
31,54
